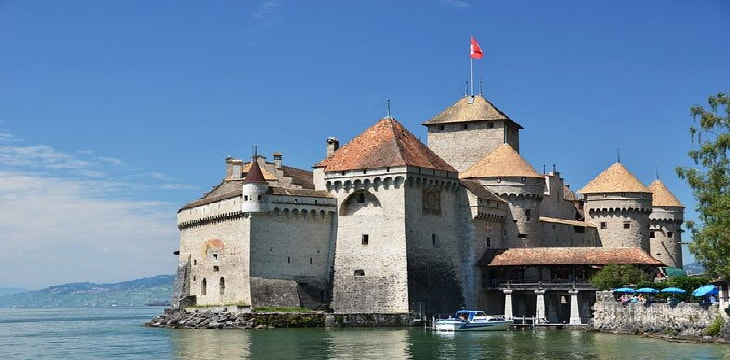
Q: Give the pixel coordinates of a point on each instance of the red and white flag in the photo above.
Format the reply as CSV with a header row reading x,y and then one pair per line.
x,y
475,50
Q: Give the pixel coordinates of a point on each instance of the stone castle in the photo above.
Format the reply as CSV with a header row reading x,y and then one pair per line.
x,y
387,224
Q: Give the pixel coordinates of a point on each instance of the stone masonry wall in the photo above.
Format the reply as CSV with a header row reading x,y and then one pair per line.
x,y
370,257
681,319
474,142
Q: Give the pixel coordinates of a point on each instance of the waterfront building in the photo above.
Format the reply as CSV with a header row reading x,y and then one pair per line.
x,y
387,224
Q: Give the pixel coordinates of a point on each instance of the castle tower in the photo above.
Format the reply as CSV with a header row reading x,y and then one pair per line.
x,y
395,233
665,221
254,190
619,205
470,129
507,174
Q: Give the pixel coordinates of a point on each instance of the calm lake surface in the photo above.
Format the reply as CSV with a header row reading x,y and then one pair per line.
x,y
117,333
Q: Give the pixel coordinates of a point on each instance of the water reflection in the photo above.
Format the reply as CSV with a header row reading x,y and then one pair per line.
x,y
422,344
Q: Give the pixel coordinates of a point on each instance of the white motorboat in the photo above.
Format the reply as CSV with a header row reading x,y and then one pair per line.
x,y
472,320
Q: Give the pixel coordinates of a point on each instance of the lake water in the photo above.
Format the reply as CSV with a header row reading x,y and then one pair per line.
x,y
117,333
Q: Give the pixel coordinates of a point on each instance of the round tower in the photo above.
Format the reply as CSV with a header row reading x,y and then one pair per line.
x,y
507,174
665,221
254,190
619,205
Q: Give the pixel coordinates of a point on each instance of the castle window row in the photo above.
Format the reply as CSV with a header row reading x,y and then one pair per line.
x,y
204,286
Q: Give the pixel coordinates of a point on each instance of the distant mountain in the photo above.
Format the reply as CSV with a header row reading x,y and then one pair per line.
x,y
11,290
153,290
694,268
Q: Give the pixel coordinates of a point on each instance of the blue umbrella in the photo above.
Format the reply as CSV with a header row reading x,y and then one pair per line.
x,y
647,290
624,290
705,290
674,290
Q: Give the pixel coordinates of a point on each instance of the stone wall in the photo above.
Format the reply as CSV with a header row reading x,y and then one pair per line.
x,y
616,211
684,319
474,142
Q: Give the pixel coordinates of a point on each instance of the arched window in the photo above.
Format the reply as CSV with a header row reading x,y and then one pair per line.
x,y
223,286
204,287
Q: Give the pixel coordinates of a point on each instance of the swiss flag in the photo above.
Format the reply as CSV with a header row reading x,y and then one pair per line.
x,y
476,51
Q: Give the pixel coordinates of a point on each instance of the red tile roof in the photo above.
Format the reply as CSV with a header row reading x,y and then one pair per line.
x,y
572,256
386,144
470,108
502,161
254,174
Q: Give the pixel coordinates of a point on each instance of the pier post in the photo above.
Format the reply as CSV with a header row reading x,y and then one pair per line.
x,y
540,306
574,310
507,303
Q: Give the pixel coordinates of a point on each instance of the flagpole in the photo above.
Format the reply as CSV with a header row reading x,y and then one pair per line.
x,y
471,74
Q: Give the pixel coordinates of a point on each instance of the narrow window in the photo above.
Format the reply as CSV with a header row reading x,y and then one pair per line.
x,y
499,179
603,224
524,179
195,278
627,225
361,198
387,169
441,127
315,202
365,238
195,262
216,268
215,256
359,272
651,234
528,214
288,259
364,171
433,239
342,173
605,195
204,287
223,286
310,260
245,197
259,197
489,241
670,234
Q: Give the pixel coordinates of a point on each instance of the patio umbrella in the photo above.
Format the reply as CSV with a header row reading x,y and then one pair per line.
x,y
705,290
674,290
647,290
624,290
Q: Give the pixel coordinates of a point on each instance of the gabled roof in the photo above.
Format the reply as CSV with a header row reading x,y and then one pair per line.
x,y
386,144
503,161
615,179
662,196
470,108
570,256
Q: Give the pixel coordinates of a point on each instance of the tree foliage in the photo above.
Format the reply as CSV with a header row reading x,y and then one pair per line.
x,y
710,183
617,275
688,283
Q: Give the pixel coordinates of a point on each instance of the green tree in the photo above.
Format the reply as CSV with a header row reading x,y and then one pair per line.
x,y
617,275
710,184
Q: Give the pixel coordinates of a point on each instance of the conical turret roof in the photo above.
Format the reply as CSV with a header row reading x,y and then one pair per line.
x,y
470,108
254,174
662,196
503,161
615,179
386,144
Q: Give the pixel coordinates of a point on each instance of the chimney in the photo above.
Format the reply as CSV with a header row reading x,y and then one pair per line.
x,y
332,145
234,168
277,160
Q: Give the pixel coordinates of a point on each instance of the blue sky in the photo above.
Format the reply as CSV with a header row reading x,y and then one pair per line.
x,y
113,114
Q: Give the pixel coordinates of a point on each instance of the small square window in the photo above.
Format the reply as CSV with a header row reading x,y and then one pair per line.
x,y
670,234
522,236
490,125
216,268
359,272
441,127
651,234
603,224
245,197
464,126
365,239
627,225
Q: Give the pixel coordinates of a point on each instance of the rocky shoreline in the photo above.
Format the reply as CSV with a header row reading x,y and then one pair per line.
x,y
208,319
